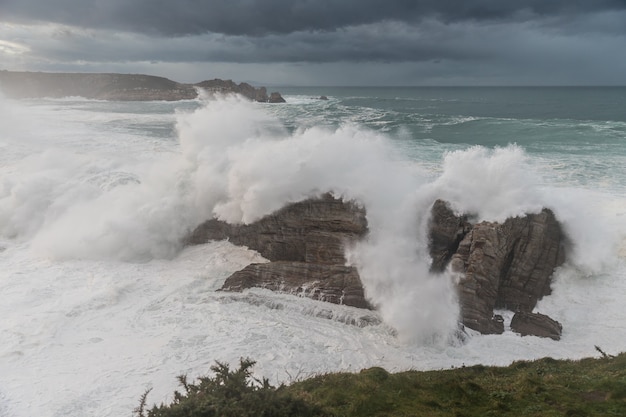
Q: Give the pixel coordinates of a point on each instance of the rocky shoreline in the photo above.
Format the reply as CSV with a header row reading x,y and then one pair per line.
x,y
121,87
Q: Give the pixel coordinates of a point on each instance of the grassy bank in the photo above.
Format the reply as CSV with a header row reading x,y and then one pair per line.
x,y
546,387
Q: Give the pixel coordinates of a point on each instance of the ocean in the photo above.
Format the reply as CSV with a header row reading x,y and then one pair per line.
x,y
101,301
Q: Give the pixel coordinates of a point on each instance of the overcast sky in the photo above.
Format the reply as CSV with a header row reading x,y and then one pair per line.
x,y
324,42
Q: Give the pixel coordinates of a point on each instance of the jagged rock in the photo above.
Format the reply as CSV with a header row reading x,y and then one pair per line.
x,y
446,230
506,265
305,242
275,97
323,98
535,324
230,87
333,283
314,230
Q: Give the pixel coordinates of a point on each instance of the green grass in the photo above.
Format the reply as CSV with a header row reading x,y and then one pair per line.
x,y
546,387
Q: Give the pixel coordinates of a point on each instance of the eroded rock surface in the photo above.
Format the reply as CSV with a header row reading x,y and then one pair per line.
x,y
536,324
500,265
305,243
446,231
333,283
506,265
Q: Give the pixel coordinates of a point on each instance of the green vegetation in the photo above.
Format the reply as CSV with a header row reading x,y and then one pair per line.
x,y
229,394
546,387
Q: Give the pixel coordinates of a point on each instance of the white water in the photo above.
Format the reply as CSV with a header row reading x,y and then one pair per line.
x,y
99,300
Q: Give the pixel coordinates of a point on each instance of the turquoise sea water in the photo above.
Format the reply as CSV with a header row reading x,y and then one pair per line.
x,y
581,131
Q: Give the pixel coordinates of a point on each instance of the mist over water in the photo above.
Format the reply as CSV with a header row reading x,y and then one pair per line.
x,y
96,198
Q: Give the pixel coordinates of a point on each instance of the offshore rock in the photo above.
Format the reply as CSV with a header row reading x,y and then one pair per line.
x,y
305,243
500,265
506,265
333,283
230,87
536,324
275,97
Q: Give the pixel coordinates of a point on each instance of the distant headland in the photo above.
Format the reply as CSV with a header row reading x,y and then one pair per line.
x,y
122,87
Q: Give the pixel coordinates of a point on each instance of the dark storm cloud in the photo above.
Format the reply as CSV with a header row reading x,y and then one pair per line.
x,y
382,42
262,17
475,42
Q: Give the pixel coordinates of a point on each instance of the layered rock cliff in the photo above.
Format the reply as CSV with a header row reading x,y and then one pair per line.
x,y
121,87
505,265
305,244
501,265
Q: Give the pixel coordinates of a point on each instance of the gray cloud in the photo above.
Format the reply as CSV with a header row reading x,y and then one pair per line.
x,y
306,42
262,17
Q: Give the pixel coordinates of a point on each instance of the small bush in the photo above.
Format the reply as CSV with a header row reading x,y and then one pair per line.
x,y
230,393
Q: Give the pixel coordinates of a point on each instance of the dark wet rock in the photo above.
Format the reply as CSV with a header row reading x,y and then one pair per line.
x,y
323,98
535,324
275,97
506,265
230,87
446,230
305,242
500,265
333,283
313,230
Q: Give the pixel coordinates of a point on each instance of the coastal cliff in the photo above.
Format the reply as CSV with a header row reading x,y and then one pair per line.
x,y
120,87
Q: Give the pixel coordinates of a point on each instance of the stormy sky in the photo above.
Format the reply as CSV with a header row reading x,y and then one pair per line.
x,y
324,42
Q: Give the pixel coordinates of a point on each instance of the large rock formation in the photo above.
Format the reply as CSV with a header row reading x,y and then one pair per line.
x,y
506,265
121,87
305,243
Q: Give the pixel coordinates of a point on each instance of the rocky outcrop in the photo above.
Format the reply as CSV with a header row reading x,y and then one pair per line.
x,y
312,230
275,97
333,283
506,265
230,87
305,243
120,87
536,324
500,265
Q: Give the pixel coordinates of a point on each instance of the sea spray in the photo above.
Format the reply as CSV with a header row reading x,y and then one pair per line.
x,y
262,173
238,163
85,331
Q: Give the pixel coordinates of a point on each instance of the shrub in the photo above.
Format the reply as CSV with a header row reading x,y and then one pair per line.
x,y
229,393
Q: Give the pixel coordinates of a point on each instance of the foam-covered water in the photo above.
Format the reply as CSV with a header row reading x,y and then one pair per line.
x,y
100,300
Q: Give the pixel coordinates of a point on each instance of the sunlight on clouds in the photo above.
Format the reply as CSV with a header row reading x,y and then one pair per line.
x,y
12,48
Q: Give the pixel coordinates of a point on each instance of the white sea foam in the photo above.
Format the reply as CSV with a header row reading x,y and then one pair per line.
x,y
101,301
